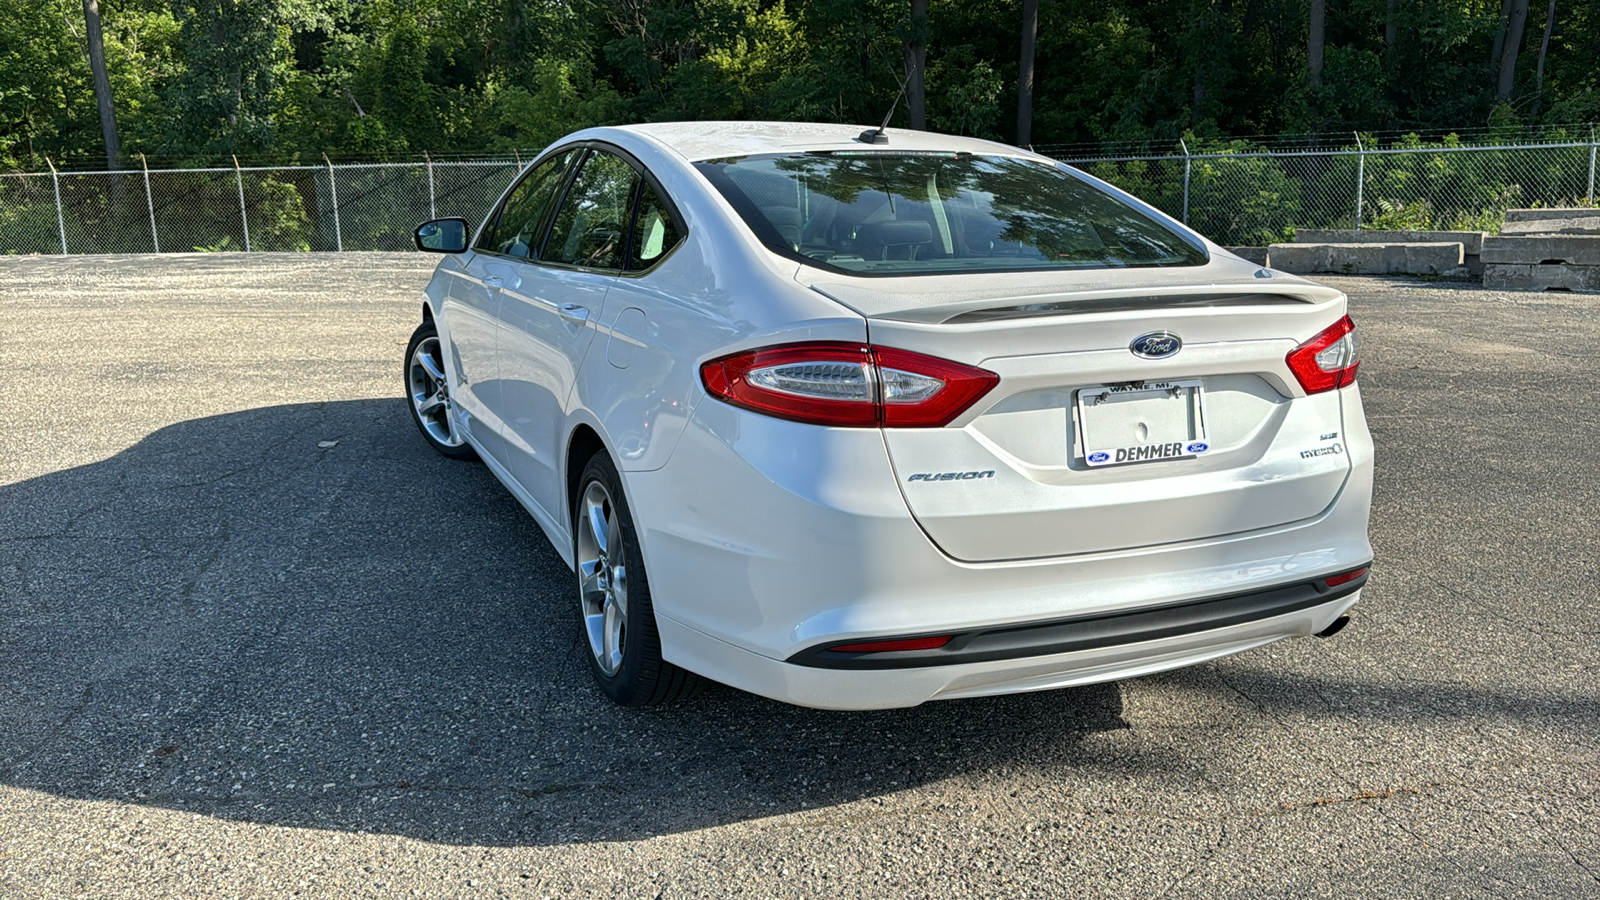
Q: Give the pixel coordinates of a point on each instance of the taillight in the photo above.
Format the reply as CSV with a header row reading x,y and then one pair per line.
x,y
1328,360
847,384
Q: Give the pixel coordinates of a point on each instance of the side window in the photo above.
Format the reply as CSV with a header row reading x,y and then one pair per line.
x,y
516,230
654,232
591,225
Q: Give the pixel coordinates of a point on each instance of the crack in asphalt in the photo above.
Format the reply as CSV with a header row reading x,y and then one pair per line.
x,y
1358,794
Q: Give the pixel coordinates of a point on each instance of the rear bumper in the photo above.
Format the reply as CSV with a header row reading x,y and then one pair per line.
x,y
765,539
876,689
1095,631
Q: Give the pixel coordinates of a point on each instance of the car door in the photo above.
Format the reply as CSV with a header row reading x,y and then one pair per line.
x,y
547,321
467,314
510,235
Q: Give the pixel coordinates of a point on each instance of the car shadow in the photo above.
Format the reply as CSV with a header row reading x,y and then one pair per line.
x,y
299,615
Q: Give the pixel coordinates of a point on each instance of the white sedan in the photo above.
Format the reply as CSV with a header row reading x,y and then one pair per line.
x,y
863,419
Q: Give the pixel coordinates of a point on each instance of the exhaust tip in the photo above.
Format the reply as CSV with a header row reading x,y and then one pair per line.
x,y
1337,626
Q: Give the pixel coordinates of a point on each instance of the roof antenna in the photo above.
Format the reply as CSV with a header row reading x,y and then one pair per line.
x,y
876,135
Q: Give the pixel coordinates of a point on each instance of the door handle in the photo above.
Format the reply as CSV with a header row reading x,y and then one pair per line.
x,y
574,313
492,281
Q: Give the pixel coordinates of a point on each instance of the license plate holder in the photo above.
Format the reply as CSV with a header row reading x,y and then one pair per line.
x,y
1151,421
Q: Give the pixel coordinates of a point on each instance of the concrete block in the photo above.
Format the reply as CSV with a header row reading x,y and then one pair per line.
x,y
1571,249
1367,259
1583,225
1257,255
1512,277
1549,215
1471,241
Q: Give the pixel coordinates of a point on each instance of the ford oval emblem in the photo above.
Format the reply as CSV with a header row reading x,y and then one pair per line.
x,y
1156,345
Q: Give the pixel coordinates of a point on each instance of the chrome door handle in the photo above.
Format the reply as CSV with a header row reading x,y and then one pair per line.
x,y
572,312
492,281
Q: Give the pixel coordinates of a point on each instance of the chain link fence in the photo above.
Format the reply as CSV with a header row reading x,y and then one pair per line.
x,y
363,206
1235,197
1253,198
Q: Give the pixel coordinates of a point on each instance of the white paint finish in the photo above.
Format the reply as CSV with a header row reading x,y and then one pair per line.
x,y
465,311
775,536
1025,512
934,299
539,353
627,335
715,140
839,689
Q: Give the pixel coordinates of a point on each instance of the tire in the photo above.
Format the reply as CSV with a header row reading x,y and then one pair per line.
x,y
615,618
428,395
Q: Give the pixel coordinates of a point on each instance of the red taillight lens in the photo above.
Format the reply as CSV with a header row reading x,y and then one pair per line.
x,y
926,643
1328,360
847,384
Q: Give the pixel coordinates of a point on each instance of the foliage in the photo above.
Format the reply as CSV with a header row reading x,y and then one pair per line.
x,y
1251,199
293,79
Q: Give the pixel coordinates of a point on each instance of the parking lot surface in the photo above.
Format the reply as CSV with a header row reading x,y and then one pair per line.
x,y
257,640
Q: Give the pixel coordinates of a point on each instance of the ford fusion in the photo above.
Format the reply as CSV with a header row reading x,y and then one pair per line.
x,y
863,419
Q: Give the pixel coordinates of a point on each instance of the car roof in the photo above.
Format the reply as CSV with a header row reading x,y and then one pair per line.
x,y
716,140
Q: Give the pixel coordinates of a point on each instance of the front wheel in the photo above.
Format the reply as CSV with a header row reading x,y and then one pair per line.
x,y
614,607
429,393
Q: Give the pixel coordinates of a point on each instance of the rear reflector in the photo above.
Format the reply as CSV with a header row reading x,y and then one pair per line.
x,y
1328,360
1345,578
925,643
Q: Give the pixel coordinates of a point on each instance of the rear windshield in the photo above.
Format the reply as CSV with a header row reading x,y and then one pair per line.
x,y
888,213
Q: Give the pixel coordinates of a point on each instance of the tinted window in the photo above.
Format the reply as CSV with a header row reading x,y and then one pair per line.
x,y
654,232
520,224
888,213
590,227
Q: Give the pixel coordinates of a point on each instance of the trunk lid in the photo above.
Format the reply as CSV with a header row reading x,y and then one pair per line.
x,y
1012,478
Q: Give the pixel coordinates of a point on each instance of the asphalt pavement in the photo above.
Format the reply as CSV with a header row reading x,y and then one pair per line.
x,y
257,640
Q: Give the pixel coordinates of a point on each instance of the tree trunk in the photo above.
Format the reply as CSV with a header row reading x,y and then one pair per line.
x,y
1252,18
1030,31
1500,36
916,51
102,84
1508,56
1391,28
1314,46
1544,48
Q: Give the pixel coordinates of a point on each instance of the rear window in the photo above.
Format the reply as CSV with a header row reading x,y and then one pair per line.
x,y
902,213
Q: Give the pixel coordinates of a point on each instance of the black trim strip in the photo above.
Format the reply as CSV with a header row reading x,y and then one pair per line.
x,y
1090,632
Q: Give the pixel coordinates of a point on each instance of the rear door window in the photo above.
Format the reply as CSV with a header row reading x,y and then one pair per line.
x,y
591,225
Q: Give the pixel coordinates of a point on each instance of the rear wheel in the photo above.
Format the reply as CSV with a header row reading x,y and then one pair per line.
x,y
429,393
614,607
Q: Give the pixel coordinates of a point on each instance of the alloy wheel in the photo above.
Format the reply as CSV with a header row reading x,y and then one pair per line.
x,y
430,393
602,577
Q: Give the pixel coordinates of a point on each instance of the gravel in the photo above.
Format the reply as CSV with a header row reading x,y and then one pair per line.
x,y
257,640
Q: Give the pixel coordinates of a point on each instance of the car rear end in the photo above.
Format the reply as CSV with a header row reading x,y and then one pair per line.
x,y
1014,480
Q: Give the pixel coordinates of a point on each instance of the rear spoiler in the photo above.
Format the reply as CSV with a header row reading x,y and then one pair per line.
x,y
979,310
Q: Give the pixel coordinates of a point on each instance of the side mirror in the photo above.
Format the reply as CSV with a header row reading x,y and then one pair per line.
x,y
441,236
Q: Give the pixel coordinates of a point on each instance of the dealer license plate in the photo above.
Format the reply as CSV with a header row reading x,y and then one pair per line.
x,y
1140,422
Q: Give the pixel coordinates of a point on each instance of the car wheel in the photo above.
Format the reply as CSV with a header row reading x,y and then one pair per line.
x,y
429,393
618,621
